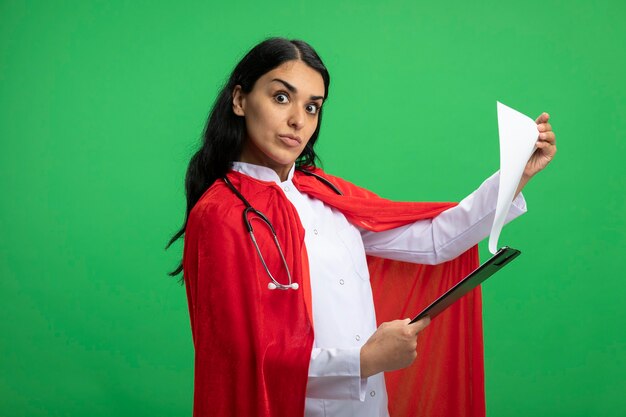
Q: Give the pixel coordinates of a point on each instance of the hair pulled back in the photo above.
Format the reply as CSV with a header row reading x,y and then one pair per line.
x,y
225,132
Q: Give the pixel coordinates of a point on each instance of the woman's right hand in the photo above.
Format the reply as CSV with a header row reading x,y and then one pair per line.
x,y
391,347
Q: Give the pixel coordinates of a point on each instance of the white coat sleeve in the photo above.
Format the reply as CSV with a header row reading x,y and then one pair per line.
x,y
446,236
335,374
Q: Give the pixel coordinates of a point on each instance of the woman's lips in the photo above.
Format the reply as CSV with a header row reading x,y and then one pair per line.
x,y
290,140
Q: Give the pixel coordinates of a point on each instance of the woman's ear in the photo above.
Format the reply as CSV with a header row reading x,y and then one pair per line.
x,y
238,101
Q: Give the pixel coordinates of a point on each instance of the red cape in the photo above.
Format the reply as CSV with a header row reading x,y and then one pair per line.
x,y
253,345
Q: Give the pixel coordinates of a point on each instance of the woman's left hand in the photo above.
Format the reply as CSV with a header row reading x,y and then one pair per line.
x,y
544,154
546,147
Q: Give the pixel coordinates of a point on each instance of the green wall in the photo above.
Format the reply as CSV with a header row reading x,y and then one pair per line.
x,y
102,104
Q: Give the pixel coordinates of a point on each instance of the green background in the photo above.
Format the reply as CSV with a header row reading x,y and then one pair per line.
x,y
103,102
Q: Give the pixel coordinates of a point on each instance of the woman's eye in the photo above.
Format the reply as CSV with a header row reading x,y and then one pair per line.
x,y
281,98
312,108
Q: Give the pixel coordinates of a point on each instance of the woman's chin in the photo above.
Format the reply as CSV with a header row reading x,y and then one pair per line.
x,y
284,159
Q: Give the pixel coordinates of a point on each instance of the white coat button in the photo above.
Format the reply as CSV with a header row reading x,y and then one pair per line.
x,y
315,231
287,188
357,337
372,393
341,282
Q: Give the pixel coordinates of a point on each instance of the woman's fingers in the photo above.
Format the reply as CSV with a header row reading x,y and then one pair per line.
x,y
544,127
419,325
546,136
549,137
543,118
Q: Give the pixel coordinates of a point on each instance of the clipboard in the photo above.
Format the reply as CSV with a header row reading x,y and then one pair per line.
x,y
475,278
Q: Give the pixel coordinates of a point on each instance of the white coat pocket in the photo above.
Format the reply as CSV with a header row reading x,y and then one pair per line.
x,y
351,239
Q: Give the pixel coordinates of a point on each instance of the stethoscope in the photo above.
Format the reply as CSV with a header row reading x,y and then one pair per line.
x,y
273,284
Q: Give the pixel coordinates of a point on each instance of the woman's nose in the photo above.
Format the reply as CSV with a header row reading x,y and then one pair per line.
x,y
296,118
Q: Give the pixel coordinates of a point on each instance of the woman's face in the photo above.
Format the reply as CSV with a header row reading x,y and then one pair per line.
x,y
281,114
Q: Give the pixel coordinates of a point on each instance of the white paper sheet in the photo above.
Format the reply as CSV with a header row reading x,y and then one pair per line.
x,y
518,135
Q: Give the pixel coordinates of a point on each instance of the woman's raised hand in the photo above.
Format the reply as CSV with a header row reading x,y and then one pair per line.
x,y
544,154
546,147
391,347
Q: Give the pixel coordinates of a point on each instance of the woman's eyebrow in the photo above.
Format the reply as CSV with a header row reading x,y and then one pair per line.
x,y
294,90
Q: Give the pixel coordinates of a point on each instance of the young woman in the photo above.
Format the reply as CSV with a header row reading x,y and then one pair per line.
x,y
280,292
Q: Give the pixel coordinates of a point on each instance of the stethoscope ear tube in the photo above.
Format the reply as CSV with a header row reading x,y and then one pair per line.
x,y
322,179
247,210
274,284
